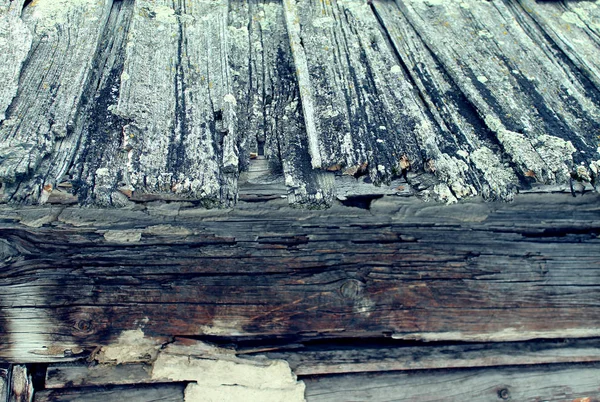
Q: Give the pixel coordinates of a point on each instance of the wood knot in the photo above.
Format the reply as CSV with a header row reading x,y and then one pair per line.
x,y
504,394
84,327
351,289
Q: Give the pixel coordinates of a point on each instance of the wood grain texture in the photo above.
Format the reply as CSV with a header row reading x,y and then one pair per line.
x,y
532,100
404,268
62,376
139,393
122,102
40,133
541,383
357,357
360,358
21,386
4,381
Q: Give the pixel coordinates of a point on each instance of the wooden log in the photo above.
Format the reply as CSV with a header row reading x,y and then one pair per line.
x,y
489,272
578,383
140,393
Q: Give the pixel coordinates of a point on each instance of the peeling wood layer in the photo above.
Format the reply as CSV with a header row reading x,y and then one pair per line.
x,y
403,269
119,102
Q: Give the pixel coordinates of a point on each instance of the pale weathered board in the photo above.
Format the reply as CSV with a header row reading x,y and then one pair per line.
x,y
84,375
140,393
4,378
356,358
405,269
21,386
552,383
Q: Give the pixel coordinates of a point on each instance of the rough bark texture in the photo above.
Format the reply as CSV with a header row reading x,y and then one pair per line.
x,y
113,102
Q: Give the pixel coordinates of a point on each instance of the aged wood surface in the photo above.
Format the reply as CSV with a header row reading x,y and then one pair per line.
x,y
360,358
84,375
109,103
578,383
4,381
140,393
75,278
307,360
21,386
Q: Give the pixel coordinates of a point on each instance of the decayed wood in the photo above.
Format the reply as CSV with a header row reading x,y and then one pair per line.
x,y
377,359
537,105
355,358
40,134
404,268
21,386
104,374
524,384
119,102
140,393
4,384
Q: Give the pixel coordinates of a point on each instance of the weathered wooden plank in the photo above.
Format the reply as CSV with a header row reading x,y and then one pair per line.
x,y
354,359
269,108
39,135
459,122
139,393
333,358
88,376
15,42
97,176
536,383
539,106
574,29
4,381
175,94
21,386
489,272
362,107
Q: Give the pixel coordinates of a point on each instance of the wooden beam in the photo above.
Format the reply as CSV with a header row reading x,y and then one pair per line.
x,y
351,358
404,269
577,383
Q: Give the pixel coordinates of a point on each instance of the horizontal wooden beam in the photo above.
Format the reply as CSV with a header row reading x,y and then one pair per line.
x,y
479,371
577,383
77,278
336,358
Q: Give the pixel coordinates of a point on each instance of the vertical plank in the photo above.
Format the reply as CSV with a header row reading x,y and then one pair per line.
x,y
39,135
21,386
4,371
